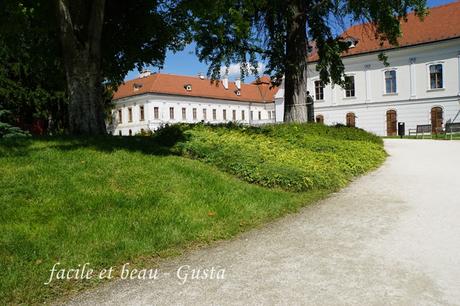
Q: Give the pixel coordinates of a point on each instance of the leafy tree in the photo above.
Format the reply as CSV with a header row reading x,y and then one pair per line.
x,y
102,40
282,31
31,79
82,48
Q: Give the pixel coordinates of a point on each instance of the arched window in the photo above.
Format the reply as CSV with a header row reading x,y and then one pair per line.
x,y
391,123
320,119
436,119
351,119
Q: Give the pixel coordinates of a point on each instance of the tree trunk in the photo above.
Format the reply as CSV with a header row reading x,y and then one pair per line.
x,y
295,94
86,112
82,63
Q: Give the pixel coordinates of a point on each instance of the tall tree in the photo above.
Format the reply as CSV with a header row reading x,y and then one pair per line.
x,y
282,31
101,40
82,48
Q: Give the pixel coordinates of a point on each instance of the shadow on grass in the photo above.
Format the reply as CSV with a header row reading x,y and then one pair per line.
x,y
160,143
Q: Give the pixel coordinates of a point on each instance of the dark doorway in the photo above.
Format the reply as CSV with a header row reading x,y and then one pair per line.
x,y
392,123
351,119
436,119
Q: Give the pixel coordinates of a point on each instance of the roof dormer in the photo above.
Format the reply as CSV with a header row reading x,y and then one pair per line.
x,y
188,87
137,86
351,42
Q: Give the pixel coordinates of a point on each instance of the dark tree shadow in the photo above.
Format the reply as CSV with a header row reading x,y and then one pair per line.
x,y
160,143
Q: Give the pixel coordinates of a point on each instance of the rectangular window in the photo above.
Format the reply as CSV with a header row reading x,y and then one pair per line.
x,y
349,86
141,111
390,81
120,116
436,76
171,113
194,113
224,114
234,115
242,115
156,113
204,114
260,115
273,115
319,90
214,114
130,114
251,115
269,115
184,113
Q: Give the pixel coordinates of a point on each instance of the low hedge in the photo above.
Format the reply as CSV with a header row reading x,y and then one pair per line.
x,y
294,157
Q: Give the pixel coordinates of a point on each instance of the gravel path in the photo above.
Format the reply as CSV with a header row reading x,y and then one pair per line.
x,y
391,237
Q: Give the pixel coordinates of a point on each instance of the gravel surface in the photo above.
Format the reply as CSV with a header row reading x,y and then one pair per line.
x,y
391,237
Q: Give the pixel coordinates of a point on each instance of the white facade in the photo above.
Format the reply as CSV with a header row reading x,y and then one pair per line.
x,y
160,109
412,99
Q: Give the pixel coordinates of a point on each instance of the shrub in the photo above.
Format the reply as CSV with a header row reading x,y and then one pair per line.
x,y
295,157
6,129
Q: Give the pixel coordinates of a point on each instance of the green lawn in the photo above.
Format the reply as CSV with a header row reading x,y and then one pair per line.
x,y
111,200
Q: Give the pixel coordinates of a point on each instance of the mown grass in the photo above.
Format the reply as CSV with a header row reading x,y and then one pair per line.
x,y
113,200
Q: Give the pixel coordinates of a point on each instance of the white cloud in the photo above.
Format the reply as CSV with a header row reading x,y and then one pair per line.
x,y
234,70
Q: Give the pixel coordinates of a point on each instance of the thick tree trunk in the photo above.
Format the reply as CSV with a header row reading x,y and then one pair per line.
x,y
86,112
295,95
82,62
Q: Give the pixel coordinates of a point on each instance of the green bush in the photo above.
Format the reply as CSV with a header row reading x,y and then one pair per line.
x,y
295,157
6,129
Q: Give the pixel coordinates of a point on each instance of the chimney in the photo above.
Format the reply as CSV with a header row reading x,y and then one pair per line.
x,y
225,82
238,83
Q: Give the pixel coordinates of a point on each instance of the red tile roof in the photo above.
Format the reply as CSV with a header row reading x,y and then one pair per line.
x,y
171,84
442,22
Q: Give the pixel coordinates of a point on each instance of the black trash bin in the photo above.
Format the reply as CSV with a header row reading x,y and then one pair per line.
x,y
401,129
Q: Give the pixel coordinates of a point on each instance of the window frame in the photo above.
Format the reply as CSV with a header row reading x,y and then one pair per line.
x,y
171,113
156,112
120,116
130,114
184,113
395,92
194,114
141,113
354,87
320,87
429,65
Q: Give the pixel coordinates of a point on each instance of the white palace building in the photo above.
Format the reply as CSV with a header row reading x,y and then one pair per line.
x,y
420,86
156,99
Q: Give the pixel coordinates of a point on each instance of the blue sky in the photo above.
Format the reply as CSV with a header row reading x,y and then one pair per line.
x,y
186,62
